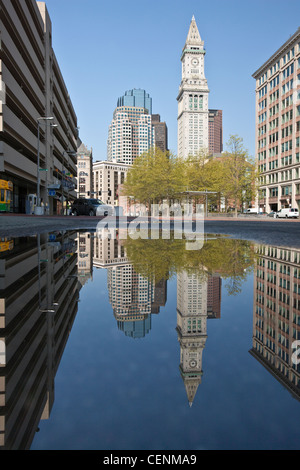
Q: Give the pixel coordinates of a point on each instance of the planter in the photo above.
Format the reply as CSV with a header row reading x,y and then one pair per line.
x,y
38,210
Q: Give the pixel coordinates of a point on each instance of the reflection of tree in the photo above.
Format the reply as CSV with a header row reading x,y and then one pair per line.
x,y
156,259
161,259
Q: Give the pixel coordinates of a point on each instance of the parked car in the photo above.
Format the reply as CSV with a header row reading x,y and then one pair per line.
x,y
287,213
272,214
90,207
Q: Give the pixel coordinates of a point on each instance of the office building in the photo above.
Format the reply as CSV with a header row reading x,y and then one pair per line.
x,y
215,131
108,178
131,132
160,133
32,88
193,135
277,140
84,171
136,98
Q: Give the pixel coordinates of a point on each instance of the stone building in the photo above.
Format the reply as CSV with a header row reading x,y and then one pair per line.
x,y
277,140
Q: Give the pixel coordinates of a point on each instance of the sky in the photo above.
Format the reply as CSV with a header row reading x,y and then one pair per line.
x,y
107,47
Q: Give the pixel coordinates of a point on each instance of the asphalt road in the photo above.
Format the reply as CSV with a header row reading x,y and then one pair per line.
x,y
285,233
277,232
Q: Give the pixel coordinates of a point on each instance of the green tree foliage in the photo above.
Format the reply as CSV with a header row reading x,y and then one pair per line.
x,y
239,173
155,176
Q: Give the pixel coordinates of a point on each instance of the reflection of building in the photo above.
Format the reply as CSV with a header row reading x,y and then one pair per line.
x,y
85,172
35,89
38,304
85,257
107,250
278,126
133,297
160,295
191,327
214,284
193,97
276,315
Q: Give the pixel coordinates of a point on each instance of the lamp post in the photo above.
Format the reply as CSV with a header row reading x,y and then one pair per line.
x,y
68,153
37,209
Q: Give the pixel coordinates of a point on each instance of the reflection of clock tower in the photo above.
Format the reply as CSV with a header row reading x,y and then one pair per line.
x,y
191,328
193,97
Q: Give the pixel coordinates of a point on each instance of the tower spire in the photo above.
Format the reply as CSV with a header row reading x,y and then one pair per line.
x,y
193,37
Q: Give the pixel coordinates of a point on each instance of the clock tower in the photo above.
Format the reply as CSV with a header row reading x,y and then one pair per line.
x,y
193,97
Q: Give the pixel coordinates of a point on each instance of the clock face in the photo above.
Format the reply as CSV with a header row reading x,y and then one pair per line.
x,y
195,62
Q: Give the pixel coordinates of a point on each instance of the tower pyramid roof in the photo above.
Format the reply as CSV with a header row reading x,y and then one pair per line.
x,y
193,37
83,149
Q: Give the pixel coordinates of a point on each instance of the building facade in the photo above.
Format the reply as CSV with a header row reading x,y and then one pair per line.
x,y
131,132
85,186
278,127
108,178
160,133
215,131
193,135
33,154
136,98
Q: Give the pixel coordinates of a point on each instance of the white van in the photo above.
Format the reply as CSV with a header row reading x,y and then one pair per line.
x,y
286,213
252,210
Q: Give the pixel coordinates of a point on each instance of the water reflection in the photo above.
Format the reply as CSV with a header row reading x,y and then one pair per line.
x,y
40,283
38,304
276,315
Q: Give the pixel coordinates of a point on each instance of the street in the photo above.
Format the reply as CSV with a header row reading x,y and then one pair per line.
x,y
284,233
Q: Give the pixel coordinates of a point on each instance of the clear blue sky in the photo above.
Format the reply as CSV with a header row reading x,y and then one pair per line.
x,y
105,48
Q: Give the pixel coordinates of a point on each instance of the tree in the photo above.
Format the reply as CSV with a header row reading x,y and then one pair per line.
x,y
158,176
155,176
239,173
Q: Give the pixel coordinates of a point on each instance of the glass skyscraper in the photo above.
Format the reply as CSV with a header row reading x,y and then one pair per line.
x,y
136,98
131,132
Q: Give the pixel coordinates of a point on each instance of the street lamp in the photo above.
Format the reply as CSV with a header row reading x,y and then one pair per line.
x,y
68,153
37,209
